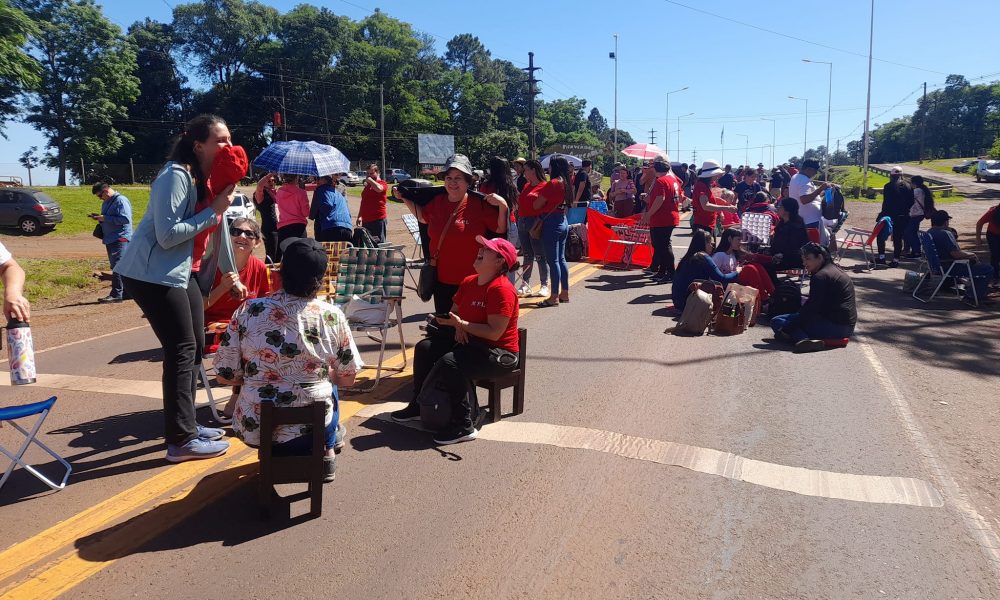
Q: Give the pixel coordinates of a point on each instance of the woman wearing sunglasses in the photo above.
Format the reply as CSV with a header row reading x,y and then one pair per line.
x,y
220,304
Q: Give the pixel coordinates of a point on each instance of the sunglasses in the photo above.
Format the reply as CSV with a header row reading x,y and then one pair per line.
x,y
247,233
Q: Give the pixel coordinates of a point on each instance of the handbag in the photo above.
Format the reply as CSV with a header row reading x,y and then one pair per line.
x,y
428,272
732,318
99,231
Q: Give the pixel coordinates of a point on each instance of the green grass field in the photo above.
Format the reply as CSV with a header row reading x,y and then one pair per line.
x,y
943,165
78,202
850,177
55,279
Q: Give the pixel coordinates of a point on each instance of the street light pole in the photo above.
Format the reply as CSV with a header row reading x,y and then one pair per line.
x,y
829,98
773,130
746,155
666,122
805,130
679,133
614,56
868,102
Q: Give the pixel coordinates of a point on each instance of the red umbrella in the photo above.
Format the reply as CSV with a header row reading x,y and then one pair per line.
x,y
645,151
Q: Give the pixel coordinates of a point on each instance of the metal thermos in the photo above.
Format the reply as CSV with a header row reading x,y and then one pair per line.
x,y
20,353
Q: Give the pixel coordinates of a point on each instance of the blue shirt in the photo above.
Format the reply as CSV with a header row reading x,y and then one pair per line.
x,y
331,208
117,224
697,267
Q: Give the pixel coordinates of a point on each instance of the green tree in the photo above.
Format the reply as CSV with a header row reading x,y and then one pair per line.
x,y
596,122
464,52
19,72
87,80
503,143
995,150
30,160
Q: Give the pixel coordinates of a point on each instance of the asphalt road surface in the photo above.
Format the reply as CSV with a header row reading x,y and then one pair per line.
x,y
645,465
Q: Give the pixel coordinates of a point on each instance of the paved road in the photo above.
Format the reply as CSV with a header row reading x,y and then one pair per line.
x,y
869,471
964,184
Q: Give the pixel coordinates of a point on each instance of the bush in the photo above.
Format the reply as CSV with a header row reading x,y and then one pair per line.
x,y
995,150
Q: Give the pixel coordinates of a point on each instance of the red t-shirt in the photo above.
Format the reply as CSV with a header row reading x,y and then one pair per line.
x,y
373,203
476,217
526,201
201,240
992,228
486,188
498,297
253,276
703,217
554,193
667,215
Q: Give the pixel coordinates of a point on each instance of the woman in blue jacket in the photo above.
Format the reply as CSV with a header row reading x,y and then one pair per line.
x,y
330,213
156,268
697,264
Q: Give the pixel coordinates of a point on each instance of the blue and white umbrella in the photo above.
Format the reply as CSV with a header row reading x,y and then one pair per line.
x,y
302,158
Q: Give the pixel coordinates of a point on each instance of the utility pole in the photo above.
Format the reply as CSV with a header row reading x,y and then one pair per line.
x,y
326,121
614,56
868,102
381,103
83,172
652,136
532,92
923,125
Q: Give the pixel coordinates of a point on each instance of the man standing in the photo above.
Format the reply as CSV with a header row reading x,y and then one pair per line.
x,y
727,180
581,183
808,194
897,199
115,222
372,215
746,190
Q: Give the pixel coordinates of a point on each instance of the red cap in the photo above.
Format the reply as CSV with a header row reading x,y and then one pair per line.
x,y
505,249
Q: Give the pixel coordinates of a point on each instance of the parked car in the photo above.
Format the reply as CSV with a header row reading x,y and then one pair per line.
x,y
29,210
988,170
397,175
351,179
242,206
964,166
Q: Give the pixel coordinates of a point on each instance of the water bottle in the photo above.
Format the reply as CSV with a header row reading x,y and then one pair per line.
x,y
828,195
20,353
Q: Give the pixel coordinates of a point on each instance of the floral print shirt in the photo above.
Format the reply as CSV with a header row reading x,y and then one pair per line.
x,y
286,348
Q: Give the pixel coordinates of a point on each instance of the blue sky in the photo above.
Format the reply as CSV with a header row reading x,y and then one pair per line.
x,y
737,72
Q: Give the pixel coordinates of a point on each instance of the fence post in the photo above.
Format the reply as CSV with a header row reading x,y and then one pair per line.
x,y
131,168
83,173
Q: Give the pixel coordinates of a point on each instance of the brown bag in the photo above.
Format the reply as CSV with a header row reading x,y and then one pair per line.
x,y
428,273
712,288
732,318
536,229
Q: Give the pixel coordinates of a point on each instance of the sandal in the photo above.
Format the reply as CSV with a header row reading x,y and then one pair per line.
x,y
564,300
547,303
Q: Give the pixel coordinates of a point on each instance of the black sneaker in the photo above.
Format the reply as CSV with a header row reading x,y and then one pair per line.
x,y
809,346
894,263
110,300
456,436
329,469
410,413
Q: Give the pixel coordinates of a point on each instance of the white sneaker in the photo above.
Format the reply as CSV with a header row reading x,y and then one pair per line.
x,y
524,291
543,292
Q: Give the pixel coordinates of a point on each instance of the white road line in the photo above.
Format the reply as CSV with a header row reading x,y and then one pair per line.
x,y
98,337
807,482
977,526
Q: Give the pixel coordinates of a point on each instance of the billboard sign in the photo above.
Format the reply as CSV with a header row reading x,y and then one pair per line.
x,y
434,149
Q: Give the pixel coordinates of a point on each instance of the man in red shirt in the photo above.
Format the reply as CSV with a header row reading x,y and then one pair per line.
x,y
662,215
372,215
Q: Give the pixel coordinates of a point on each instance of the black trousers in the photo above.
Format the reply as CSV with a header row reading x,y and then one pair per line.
x,y
444,296
461,364
899,223
663,252
177,316
335,234
377,229
271,244
297,230
994,243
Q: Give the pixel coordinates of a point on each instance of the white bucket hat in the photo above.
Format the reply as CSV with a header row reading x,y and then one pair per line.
x,y
709,168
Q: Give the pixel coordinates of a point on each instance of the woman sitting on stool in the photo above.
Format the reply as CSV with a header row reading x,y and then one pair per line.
x,y
829,313
485,342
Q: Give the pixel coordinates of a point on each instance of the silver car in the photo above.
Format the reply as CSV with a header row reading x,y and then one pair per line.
x,y
29,210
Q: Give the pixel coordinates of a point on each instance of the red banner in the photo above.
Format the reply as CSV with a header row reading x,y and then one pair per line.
x,y
599,233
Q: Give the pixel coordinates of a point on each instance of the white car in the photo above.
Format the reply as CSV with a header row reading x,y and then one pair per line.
x,y
242,206
988,170
351,179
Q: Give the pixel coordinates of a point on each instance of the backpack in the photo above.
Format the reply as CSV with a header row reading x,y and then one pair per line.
x,y
576,242
697,315
436,403
832,209
787,299
362,239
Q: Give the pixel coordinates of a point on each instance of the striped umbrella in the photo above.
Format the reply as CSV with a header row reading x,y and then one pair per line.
x,y
302,158
645,151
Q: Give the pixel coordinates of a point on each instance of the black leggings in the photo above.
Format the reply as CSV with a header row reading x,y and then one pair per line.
x,y
296,230
271,248
463,363
177,316
444,296
335,234
993,241
663,252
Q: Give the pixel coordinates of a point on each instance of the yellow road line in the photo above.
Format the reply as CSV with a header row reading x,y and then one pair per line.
x,y
72,569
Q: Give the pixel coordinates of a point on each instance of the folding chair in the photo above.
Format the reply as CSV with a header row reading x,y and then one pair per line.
x,y
860,238
756,228
10,415
933,262
630,237
206,382
333,252
375,274
413,226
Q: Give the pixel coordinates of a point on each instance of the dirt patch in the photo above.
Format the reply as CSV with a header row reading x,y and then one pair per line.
x,y
49,246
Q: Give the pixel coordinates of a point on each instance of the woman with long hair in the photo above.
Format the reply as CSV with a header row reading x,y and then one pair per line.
x,y
696,264
730,258
922,207
157,271
532,250
551,204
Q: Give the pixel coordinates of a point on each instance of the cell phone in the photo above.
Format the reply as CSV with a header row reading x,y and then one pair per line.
x,y
442,316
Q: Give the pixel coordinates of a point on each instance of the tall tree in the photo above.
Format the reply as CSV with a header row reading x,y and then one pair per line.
x,y
87,80
19,72
464,52
30,160
596,122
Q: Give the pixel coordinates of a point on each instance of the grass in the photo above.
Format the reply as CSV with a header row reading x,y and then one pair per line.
x,y
943,165
52,279
78,202
850,177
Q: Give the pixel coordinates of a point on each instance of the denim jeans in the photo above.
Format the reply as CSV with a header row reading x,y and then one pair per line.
x,y
911,239
555,230
303,444
532,251
816,328
115,250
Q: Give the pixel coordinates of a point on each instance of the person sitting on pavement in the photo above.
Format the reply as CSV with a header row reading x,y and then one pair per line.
x,y
115,221
948,251
762,203
730,258
484,344
329,212
696,264
15,305
991,220
292,349
830,312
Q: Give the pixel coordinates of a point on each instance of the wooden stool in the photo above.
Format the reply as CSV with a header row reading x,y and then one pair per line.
x,y
514,379
291,469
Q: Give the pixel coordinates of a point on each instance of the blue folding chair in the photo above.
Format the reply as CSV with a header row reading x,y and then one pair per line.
x,y
10,415
934,267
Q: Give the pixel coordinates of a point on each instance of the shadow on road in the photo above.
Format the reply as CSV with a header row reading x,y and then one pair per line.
x,y
398,438
625,281
152,355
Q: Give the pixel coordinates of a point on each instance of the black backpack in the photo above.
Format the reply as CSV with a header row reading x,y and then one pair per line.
x,y
362,239
832,210
576,248
436,402
787,299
